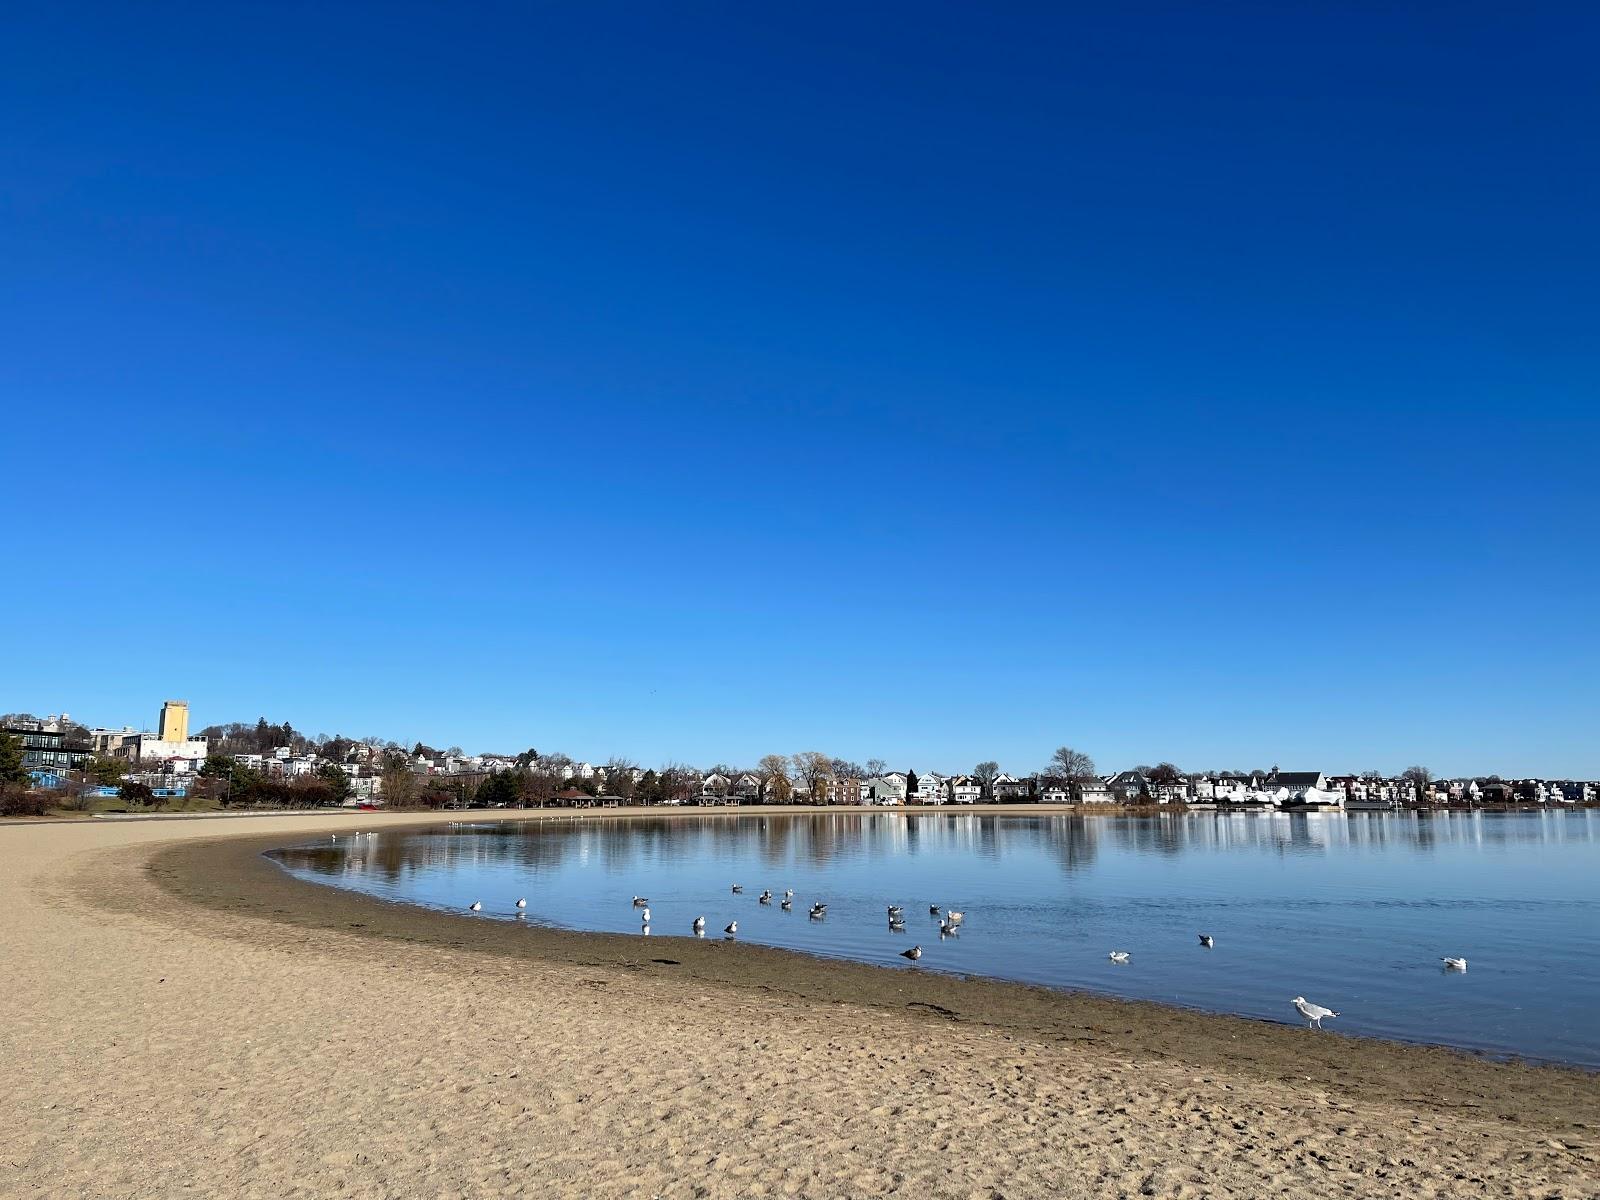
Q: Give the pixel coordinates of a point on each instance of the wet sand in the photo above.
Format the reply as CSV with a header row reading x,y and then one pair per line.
x,y
185,1017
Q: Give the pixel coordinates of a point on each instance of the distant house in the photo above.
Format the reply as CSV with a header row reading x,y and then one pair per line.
x,y
1130,787
887,789
1010,789
963,789
1054,793
1292,786
1093,791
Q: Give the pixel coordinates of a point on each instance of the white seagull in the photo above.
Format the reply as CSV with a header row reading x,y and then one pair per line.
x,y
1118,956
788,893
522,902
1313,1013
644,916
699,924
954,918
1207,940
731,928
913,954
475,906
1454,964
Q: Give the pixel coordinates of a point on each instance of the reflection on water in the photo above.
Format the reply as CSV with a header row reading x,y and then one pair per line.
x,y
1353,910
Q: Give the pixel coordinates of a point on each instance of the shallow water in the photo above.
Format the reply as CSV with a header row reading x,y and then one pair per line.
x,y
1353,911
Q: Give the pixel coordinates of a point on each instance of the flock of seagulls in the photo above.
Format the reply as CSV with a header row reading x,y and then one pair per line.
x,y
949,926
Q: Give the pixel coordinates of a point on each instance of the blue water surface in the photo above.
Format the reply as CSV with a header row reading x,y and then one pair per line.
x,y
1353,911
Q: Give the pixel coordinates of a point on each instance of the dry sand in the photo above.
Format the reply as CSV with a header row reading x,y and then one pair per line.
x,y
182,1018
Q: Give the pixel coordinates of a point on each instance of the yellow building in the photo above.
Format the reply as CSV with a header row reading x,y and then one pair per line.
x,y
174,725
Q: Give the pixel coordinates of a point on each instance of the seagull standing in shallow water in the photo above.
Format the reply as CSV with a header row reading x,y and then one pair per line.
x,y
913,954
522,902
699,925
475,906
644,916
1454,964
1313,1013
731,928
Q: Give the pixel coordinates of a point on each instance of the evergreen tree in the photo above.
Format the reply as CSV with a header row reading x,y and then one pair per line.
x,y
12,772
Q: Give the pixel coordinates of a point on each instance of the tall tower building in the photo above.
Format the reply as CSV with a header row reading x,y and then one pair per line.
x,y
174,725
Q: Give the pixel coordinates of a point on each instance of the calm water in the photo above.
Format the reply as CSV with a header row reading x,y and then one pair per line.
x,y
1352,911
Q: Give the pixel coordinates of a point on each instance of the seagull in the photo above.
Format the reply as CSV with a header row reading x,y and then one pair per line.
x,y
819,910
475,906
1118,956
640,902
895,910
765,898
954,917
933,910
699,924
738,887
644,916
731,928
913,954
897,923
1207,940
522,902
1454,964
788,893
946,929
786,904
1313,1013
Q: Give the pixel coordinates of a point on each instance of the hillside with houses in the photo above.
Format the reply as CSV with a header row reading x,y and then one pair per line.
x,y
58,762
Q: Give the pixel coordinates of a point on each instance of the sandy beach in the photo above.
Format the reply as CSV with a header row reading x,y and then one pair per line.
x,y
183,1018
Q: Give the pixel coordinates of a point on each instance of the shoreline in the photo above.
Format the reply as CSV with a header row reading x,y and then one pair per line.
x,y
223,1026
1207,1037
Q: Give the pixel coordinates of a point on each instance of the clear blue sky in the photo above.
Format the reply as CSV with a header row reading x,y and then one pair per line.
x,y
1204,383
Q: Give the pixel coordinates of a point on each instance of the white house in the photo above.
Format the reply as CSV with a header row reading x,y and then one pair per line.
x,y
889,789
963,789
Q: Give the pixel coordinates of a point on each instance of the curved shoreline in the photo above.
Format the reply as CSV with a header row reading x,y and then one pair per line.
x,y
189,1017
238,876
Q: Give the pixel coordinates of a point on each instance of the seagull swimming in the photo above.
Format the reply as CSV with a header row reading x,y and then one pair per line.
x,y
1313,1013
819,910
738,887
731,928
913,954
1118,956
948,929
699,924
1207,940
522,902
475,906
788,893
895,910
786,904
954,918
765,898
1454,964
933,910
640,902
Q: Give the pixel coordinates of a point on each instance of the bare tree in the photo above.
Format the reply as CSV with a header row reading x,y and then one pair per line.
x,y
876,767
774,772
1073,766
815,769
986,773
1418,778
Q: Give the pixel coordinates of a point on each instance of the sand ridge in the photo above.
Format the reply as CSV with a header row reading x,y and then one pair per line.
x,y
186,1018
